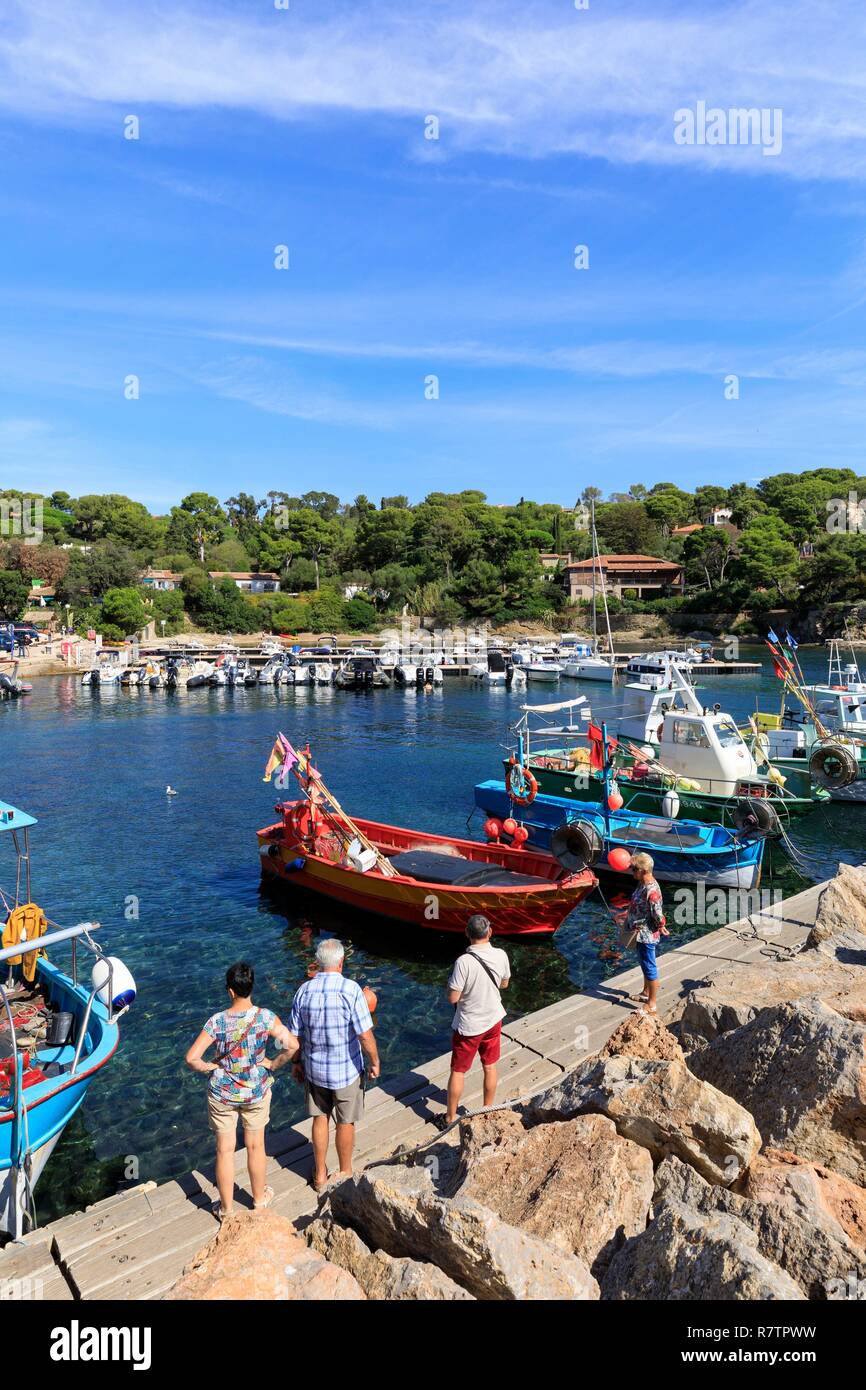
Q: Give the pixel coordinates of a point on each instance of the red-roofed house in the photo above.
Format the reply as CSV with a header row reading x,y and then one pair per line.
x,y
647,575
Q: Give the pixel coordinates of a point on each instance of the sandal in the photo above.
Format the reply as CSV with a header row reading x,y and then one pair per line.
x,y
218,1212
318,1187
266,1200
442,1122
643,1012
639,998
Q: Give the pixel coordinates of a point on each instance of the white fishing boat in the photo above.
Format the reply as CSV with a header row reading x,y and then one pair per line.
x,y
200,674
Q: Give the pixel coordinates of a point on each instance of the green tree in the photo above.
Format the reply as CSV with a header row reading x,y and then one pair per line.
x,y
13,596
124,609
198,522
766,556
312,533
706,554
359,615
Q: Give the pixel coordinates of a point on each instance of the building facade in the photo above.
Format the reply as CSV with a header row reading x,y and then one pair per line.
x,y
646,575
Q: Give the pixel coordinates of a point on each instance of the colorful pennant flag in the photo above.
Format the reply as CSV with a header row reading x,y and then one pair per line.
x,y
790,640
771,636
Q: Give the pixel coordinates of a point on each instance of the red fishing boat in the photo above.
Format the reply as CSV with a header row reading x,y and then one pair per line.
x,y
431,881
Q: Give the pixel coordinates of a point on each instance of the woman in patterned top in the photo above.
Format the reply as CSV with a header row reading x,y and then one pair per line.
x,y
645,915
240,1083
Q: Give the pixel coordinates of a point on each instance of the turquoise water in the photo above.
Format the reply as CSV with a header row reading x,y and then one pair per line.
x,y
94,767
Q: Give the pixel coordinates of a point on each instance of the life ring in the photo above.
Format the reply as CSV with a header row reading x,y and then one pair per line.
x,y
522,786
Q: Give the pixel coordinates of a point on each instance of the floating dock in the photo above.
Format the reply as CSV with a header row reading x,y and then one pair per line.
x,y
135,1244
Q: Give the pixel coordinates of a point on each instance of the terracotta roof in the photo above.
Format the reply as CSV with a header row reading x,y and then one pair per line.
x,y
627,562
684,530
161,574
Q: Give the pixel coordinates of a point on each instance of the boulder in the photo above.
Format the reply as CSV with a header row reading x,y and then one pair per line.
x,y
841,909
380,1275
793,1229
732,997
259,1255
799,1068
801,1186
395,1208
643,1035
685,1254
575,1183
663,1107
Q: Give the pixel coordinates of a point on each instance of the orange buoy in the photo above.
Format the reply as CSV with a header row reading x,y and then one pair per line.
x,y
619,859
371,997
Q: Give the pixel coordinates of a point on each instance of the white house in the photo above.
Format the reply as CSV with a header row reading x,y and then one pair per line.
x,y
262,582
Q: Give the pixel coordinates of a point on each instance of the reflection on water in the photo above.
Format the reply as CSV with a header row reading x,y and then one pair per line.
x,y
93,766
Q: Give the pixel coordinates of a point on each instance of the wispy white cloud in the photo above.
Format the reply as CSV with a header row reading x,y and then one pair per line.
x,y
538,80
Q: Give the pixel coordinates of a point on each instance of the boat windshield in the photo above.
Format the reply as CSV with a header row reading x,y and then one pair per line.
x,y
727,733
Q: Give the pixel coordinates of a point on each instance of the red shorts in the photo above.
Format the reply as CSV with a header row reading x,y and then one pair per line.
x,y
488,1045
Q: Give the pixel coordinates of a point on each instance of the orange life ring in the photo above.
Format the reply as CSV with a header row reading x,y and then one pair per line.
x,y
529,790
305,820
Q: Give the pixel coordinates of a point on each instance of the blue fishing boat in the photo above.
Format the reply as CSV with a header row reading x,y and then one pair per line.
x,y
683,851
58,1029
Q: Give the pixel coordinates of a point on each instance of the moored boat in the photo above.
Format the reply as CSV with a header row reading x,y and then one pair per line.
x,y
434,882
58,1029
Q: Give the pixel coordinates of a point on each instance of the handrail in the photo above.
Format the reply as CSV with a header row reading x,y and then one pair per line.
x,y
54,938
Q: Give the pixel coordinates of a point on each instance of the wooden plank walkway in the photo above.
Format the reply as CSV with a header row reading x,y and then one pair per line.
x,y
135,1244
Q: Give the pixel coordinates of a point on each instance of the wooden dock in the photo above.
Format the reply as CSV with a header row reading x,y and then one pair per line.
x,y
135,1244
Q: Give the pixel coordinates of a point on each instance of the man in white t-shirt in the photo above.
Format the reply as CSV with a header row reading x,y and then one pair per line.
x,y
474,988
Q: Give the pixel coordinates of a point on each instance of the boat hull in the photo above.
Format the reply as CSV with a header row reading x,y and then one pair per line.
x,y
646,799
530,909
50,1104
736,864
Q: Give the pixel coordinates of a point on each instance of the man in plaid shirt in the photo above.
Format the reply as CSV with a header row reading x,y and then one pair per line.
x,y
331,1019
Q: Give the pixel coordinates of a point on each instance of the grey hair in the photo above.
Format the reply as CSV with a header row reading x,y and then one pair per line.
x,y
330,952
478,927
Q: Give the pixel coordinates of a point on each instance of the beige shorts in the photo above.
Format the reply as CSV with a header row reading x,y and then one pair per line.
x,y
223,1115
346,1105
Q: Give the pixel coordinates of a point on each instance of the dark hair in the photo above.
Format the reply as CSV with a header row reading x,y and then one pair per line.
x,y
240,979
477,927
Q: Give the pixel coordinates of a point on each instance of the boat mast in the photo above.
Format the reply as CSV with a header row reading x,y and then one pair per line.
x,y
594,558
603,586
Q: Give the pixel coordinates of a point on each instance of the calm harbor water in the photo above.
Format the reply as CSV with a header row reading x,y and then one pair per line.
x,y
94,768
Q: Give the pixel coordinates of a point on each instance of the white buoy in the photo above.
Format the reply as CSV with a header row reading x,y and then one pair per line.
x,y
122,983
670,805
647,752
170,791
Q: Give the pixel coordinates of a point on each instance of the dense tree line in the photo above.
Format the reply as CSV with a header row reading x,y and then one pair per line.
x,y
454,557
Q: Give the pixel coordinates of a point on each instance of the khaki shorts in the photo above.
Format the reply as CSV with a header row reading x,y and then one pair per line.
x,y
346,1105
223,1115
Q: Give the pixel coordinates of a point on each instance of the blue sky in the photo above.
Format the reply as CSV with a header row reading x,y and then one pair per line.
x,y
412,257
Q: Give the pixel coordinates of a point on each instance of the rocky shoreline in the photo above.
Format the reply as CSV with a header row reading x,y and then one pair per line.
x,y
718,1154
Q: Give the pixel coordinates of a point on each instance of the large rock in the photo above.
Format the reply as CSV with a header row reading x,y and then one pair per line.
x,y
733,997
574,1182
395,1208
663,1107
380,1275
830,963
800,1186
799,1068
643,1035
793,1228
260,1255
685,1254
841,908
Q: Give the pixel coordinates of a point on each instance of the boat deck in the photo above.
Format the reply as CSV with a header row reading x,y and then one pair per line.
x,y
135,1244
